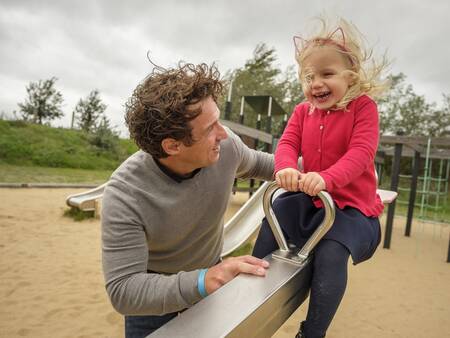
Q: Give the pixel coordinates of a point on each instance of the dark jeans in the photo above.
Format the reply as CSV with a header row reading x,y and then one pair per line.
x,y
142,326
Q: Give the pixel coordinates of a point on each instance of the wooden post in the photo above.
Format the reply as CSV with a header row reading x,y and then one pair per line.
x,y
258,127
412,193
394,186
269,116
241,113
241,121
448,252
227,115
268,147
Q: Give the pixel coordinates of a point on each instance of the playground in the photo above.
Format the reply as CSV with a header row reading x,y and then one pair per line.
x,y
52,283
141,154
53,264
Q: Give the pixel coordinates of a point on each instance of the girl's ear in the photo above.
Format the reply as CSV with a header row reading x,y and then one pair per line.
x,y
171,146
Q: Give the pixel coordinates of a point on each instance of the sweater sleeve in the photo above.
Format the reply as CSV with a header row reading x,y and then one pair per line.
x,y
131,289
361,149
288,148
252,163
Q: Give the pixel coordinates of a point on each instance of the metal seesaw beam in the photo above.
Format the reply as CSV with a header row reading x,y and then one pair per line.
x,y
250,306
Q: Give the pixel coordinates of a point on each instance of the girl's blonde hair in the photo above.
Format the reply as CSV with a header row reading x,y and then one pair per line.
x,y
346,39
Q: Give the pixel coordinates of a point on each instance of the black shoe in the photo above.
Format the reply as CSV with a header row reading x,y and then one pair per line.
x,y
300,333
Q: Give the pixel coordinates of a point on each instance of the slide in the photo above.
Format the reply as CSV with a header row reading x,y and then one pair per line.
x,y
245,222
85,201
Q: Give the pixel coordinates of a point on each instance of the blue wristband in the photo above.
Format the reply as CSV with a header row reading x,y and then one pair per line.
x,y
201,283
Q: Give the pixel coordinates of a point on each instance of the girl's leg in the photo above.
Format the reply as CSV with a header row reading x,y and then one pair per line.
x,y
327,286
266,242
294,212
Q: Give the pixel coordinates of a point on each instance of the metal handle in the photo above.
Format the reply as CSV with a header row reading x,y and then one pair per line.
x,y
285,253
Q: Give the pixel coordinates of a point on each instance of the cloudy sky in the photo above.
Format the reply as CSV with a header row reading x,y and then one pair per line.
x,y
103,44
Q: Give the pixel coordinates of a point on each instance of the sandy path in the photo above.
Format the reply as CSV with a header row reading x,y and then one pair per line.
x,y
51,283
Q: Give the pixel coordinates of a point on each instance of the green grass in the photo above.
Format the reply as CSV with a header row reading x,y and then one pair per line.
x,y
27,144
442,215
401,206
78,215
245,249
33,174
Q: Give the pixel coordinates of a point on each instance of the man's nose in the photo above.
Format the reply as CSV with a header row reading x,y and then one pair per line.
x,y
221,132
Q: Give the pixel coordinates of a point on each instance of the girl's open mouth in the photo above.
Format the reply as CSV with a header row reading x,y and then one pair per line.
x,y
322,97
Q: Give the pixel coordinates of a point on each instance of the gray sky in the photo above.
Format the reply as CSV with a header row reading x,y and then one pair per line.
x,y
103,44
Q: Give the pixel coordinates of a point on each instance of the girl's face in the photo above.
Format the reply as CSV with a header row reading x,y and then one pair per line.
x,y
324,77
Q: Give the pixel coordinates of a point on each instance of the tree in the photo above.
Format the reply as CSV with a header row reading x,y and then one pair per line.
x,y
89,111
439,124
260,76
43,102
104,136
402,109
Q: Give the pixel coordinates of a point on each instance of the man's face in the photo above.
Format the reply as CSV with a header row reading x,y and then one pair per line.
x,y
207,133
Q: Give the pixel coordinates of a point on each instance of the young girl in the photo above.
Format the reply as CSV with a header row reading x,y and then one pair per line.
x,y
336,133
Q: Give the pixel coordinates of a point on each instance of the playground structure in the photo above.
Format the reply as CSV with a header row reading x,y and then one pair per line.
x,y
262,105
414,147
432,179
88,200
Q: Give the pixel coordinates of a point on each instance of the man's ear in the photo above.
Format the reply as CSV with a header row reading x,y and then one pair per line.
x,y
171,146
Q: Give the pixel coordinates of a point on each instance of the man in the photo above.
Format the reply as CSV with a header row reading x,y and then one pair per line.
x,y
162,219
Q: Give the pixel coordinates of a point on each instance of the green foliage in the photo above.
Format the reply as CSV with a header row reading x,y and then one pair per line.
x,y
30,144
403,110
78,215
439,122
104,138
261,76
43,102
89,111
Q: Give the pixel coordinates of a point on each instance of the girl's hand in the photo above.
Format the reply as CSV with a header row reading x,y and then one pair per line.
x,y
288,179
311,183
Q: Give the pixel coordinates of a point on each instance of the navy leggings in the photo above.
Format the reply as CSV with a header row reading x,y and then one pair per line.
x,y
329,279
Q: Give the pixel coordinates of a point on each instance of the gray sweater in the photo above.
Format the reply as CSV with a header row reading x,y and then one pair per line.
x,y
173,229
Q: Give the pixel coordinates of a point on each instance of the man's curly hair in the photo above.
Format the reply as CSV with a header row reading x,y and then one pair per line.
x,y
159,107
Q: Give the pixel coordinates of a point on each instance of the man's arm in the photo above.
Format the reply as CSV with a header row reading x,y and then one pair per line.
x,y
134,291
253,163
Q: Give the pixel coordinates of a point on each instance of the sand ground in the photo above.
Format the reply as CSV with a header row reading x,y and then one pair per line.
x,y
51,283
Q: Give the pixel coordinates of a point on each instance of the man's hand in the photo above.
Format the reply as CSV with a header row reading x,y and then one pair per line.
x,y
288,179
311,183
222,273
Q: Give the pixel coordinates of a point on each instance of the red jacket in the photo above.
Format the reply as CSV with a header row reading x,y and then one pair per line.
x,y
339,145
